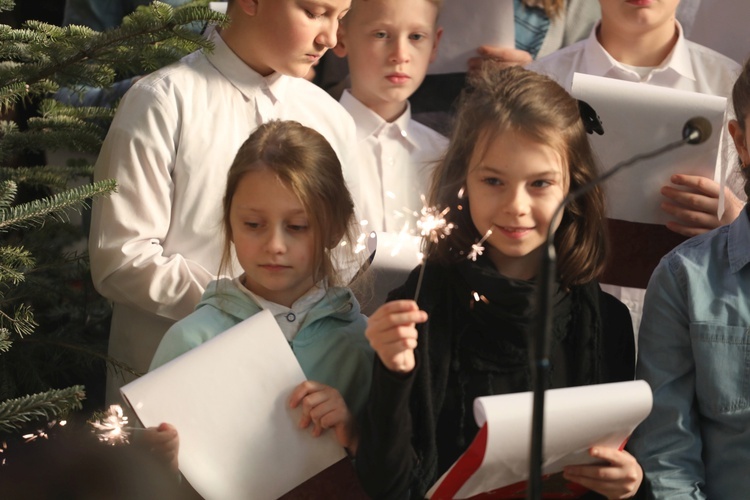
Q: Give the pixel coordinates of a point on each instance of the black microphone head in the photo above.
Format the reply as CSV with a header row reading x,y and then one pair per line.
x,y
697,130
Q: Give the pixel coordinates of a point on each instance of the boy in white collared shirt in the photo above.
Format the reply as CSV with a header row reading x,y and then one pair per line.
x,y
156,243
643,42
389,44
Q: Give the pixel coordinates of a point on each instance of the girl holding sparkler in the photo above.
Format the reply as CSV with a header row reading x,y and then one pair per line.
x,y
285,210
519,146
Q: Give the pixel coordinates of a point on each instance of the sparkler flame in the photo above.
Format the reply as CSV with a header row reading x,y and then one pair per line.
x,y
432,223
112,429
477,249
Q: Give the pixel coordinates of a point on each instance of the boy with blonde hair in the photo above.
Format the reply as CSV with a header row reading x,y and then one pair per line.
x,y
389,44
644,42
156,243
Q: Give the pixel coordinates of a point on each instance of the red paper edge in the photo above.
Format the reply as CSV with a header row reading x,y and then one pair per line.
x,y
466,465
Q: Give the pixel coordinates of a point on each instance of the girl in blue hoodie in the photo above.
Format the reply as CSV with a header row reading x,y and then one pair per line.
x,y
285,210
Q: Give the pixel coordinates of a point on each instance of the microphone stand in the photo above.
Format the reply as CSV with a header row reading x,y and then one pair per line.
x,y
540,338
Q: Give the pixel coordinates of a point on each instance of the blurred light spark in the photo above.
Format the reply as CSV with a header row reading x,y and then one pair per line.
x,y
112,428
477,249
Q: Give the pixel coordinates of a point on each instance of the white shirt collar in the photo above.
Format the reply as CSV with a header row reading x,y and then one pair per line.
x,y
242,76
369,123
600,62
290,319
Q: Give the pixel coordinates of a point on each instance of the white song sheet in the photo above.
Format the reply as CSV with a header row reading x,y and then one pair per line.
x,y
468,24
639,118
575,419
218,6
228,399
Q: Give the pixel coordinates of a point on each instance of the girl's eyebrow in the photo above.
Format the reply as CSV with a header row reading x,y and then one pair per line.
x,y
261,210
326,5
541,173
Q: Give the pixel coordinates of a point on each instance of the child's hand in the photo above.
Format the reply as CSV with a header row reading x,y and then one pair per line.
x,y
324,407
501,56
392,333
695,208
619,478
163,442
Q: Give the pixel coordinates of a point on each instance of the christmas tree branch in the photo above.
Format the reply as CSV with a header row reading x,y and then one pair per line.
x,y
34,212
14,413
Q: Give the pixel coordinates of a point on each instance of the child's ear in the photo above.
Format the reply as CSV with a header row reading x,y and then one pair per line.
x,y
738,135
438,35
249,7
340,48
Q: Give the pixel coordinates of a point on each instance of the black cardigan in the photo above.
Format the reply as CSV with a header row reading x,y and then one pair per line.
x,y
397,454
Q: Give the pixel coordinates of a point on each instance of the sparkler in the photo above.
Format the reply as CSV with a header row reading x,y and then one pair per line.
x,y
431,225
477,249
112,428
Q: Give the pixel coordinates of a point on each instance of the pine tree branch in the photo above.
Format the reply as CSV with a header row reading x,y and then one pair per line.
x,y
14,261
8,191
22,320
34,212
156,24
54,177
14,413
6,5
5,341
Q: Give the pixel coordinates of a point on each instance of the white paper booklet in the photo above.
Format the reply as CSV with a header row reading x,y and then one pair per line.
x,y
639,118
228,399
467,24
218,6
576,419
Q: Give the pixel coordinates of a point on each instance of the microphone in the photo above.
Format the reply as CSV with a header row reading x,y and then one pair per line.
x,y
696,130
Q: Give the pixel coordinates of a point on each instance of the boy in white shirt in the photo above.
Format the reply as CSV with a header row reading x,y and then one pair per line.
x,y
643,42
156,243
389,44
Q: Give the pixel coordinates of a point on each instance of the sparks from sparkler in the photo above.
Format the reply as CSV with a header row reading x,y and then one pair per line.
x,y
431,225
477,249
42,433
112,428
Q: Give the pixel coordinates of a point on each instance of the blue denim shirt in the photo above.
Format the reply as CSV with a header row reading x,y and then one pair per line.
x,y
694,351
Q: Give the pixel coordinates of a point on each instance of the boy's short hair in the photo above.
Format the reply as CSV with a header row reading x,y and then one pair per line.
x,y
438,4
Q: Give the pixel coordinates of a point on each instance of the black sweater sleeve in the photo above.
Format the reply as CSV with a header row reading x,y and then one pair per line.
x,y
385,456
619,341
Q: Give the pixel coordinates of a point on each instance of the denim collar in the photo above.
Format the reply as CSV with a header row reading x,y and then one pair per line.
x,y
738,241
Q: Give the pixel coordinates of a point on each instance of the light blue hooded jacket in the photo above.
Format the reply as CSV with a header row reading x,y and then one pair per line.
x,y
330,346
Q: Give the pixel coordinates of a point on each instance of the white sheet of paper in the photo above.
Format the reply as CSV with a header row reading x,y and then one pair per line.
x,y
639,118
576,419
218,6
467,24
228,399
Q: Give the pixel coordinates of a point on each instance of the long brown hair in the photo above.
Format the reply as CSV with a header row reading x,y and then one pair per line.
x,y
741,103
525,102
305,162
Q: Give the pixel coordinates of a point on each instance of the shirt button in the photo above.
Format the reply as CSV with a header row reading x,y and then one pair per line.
x,y
291,317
